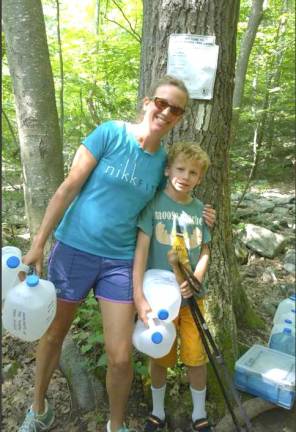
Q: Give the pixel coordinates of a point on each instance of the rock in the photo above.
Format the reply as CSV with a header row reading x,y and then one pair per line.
x,y
241,251
281,212
262,241
269,276
10,370
269,306
265,206
87,393
290,261
286,289
282,199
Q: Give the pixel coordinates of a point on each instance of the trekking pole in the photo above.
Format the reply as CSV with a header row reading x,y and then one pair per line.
x,y
216,357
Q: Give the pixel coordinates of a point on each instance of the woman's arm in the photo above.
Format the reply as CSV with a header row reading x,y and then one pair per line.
x,y
83,164
140,262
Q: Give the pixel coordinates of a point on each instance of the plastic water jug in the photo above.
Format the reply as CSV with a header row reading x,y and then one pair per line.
x,y
156,340
278,328
283,340
284,307
11,266
29,308
162,293
291,315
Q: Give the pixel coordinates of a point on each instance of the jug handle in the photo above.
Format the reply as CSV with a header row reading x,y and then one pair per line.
x,y
24,268
151,316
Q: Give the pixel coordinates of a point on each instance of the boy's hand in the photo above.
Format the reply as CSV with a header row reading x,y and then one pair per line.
x,y
143,308
209,215
185,289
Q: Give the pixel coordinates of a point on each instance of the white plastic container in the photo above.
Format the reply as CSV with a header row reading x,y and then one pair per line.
x,y
289,315
156,340
162,293
11,266
267,373
283,338
278,328
284,307
29,308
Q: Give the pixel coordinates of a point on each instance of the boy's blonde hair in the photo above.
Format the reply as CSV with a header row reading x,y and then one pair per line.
x,y
191,151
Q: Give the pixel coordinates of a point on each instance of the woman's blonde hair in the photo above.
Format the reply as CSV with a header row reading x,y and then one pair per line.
x,y
167,80
191,151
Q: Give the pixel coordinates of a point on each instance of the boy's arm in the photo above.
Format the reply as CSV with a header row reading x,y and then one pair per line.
x,y
202,264
140,262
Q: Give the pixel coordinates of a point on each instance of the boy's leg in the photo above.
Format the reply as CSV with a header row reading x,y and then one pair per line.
x,y
198,378
193,355
158,369
118,324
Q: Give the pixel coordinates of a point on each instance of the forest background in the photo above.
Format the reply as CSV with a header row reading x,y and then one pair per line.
x,y
95,50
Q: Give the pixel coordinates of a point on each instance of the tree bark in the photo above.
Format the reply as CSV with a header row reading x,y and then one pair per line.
x,y
61,64
245,51
37,119
208,124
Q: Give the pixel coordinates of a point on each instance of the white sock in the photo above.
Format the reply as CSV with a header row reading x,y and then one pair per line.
x,y
158,395
199,403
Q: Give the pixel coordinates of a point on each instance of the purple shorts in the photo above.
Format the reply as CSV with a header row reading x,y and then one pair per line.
x,y
74,273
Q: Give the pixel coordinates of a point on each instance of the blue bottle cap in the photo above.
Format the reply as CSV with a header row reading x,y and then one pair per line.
x,y
13,262
32,280
163,314
287,330
288,321
293,297
156,337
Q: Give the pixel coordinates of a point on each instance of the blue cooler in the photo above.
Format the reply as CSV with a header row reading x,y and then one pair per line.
x,y
267,373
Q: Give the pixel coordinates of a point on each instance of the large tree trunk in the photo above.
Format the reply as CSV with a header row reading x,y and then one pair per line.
x,y
208,123
38,127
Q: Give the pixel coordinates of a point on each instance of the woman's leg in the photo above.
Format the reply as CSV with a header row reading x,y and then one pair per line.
x,y
49,349
118,324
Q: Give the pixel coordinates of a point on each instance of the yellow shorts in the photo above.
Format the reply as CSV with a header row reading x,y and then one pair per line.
x,y
192,352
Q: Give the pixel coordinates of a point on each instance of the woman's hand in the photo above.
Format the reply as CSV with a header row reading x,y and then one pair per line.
x,y
185,289
143,308
209,215
35,257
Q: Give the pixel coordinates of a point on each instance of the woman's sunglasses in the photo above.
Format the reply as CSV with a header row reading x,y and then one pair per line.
x,y
162,104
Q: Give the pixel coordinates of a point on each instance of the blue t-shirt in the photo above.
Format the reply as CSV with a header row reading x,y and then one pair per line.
x,y
102,219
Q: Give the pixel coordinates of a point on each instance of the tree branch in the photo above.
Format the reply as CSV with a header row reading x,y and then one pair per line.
x,y
132,31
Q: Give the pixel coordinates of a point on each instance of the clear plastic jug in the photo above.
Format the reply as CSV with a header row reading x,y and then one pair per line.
x,y
156,340
162,293
278,328
284,307
283,341
29,308
11,266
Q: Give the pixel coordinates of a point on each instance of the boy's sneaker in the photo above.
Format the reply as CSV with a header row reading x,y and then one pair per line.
x,y
38,422
154,424
201,425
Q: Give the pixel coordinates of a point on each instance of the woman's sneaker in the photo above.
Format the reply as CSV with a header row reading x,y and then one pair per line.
x,y
122,429
38,422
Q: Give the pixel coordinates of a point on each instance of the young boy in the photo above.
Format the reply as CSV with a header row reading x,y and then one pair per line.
x,y
186,166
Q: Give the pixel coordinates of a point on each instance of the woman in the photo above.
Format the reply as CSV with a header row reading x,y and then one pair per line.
x,y
115,172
